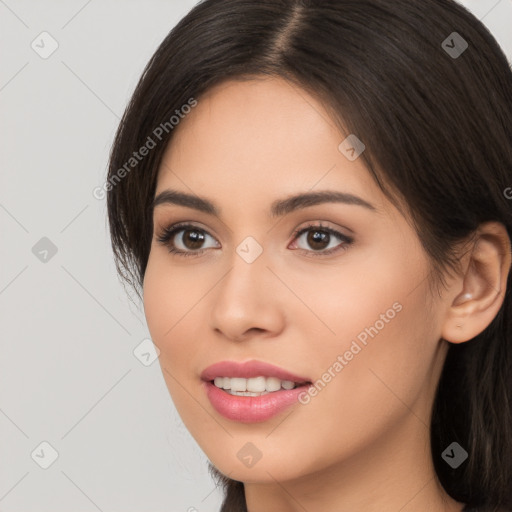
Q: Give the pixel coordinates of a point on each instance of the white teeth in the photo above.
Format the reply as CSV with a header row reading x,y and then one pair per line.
x,y
238,384
253,386
256,384
273,384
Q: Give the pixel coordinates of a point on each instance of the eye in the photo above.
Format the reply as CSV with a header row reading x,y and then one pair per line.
x,y
320,237
193,237
190,243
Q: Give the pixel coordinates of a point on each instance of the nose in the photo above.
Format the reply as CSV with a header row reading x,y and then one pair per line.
x,y
248,301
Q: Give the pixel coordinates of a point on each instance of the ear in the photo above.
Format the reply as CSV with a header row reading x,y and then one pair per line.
x,y
484,284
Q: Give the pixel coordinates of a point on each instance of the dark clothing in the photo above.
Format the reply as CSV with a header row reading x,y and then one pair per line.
x,y
480,509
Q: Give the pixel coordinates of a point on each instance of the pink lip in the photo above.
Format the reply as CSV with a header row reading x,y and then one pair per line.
x,y
247,370
250,409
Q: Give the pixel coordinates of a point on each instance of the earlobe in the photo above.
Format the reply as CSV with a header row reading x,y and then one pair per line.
x,y
483,285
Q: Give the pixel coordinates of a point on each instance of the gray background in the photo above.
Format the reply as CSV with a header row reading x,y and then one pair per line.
x,y
68,372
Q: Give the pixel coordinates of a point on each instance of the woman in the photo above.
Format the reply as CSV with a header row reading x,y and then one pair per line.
x,y
312,199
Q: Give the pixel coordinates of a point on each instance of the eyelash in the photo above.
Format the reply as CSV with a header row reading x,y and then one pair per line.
x,y
168,233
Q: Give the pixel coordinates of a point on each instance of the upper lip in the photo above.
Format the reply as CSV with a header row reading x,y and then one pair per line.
x,y
247,370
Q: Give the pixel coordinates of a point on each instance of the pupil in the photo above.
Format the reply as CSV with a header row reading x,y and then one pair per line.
x,y
195,238
318,237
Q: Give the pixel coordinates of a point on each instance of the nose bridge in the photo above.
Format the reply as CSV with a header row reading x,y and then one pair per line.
x,y
248,268
243,300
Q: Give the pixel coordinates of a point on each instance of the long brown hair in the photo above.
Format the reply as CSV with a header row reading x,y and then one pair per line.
x,y
435,111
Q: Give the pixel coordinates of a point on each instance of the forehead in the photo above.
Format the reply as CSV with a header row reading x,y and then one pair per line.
x,y
256,140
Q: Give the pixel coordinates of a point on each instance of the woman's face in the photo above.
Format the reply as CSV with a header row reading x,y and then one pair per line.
x,y
348,310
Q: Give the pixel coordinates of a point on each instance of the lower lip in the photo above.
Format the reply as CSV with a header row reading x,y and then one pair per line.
x,y
252,409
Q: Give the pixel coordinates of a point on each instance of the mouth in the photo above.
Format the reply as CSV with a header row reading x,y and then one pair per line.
x,y
252,391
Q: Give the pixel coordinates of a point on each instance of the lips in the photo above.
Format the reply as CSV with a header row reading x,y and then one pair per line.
x,y
249,369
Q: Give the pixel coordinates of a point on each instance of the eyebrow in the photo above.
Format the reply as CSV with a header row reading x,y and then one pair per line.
x,y
278,208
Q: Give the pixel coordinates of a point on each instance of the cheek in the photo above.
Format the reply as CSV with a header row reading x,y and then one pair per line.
x,y
166,300
387,367
175,307
363,299
169,299
384,347
380,385
156,302
165,293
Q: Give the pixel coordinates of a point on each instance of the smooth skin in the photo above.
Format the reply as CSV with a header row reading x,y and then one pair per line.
x,y
362,443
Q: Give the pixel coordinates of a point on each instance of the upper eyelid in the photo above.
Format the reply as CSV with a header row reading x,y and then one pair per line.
x,y
179,226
